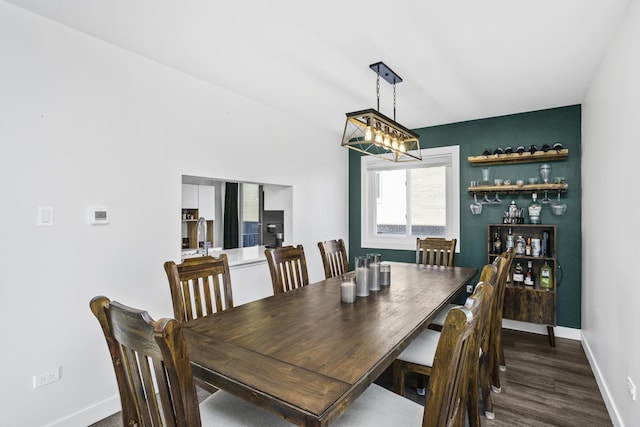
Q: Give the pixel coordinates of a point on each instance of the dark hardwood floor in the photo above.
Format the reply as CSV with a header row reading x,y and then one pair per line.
x,y
542,386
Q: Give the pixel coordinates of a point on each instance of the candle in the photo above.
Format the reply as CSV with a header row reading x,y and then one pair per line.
x,y
348,292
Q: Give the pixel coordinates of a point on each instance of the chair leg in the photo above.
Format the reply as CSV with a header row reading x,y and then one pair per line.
x,y
494,373
500,351
473,408
485,387
398,377
420,385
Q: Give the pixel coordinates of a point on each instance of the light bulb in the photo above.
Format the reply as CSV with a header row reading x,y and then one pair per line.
x,y
394,144
402,147
378,137
386,139
368,134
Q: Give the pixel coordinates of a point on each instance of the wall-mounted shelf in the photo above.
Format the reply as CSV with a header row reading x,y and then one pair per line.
x,y
526,157
528,188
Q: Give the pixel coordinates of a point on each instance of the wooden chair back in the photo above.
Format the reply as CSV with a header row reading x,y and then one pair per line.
x,y
457,350
199,286
334,258
152,366
288,268
435,251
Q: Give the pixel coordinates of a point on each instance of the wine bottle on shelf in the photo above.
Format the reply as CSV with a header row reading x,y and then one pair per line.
x,y
497,242
546,277
527,248
510,240
520,246
518,275
528,276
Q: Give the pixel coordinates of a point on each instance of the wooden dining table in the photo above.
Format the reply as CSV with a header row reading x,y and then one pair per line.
x,y
304,354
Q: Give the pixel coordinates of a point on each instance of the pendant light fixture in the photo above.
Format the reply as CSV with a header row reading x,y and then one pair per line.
x,y
371,132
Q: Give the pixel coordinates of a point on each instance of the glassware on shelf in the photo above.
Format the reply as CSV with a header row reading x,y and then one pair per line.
x,y
476,206
558,208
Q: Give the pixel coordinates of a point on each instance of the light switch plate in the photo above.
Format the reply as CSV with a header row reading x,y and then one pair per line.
x,y
45,216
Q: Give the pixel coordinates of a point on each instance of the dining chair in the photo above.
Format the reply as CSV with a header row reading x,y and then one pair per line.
x,y
199,286
288,268
435,251
334,258
154,376
453,360
418,357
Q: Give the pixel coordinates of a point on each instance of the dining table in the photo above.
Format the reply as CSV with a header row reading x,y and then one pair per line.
x,y
305,355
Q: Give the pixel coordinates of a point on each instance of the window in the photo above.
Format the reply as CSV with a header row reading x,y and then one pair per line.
x,y
402,201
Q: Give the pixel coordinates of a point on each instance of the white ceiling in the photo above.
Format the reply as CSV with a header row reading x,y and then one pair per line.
x,y
459,59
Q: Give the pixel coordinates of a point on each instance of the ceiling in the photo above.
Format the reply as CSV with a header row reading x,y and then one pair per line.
x,y
459,59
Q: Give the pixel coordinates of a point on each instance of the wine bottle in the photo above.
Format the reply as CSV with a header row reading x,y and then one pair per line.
x,y
546,277
528,276
527,248
510,240
518,275
497,242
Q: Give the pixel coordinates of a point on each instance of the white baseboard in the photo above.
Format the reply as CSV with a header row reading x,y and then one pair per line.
x,y
559,331
90,415
602,385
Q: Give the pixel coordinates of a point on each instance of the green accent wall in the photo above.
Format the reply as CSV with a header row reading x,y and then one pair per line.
x,y
537,127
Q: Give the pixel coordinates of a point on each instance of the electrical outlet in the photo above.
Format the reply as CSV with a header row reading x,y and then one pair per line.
x,y
469,289
46,377
632,388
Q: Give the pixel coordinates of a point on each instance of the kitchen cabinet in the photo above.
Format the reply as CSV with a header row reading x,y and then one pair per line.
x,y
529,303
189,196
197,201
206,202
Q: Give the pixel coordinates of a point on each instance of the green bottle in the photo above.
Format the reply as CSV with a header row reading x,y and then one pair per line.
x,y
546,277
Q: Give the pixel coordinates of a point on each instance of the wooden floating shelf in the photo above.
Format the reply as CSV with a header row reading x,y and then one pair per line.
x,y
526,157
528,188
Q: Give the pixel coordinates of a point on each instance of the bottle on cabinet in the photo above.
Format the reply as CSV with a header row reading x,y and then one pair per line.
x,y
528,276
510,240
520,246
518,275
496,246
546,277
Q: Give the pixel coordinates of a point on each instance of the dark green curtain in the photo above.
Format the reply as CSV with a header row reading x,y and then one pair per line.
x,y
231,215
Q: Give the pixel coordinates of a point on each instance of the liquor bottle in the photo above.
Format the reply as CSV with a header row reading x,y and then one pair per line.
x,y
497,242
520,246
510,240
534,209
518,275
546,277
528,276
527,248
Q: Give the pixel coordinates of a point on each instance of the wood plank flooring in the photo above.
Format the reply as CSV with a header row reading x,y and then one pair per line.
x,y
543,386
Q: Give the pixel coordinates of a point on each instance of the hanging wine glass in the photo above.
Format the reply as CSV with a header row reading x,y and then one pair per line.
x,y
486,200
545,200
496,200
476,207
558,208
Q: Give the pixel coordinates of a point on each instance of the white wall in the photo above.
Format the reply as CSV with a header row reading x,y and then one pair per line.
x,y
83,123
610,148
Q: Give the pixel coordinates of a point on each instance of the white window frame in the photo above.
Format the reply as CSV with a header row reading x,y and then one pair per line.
x,y
449,155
